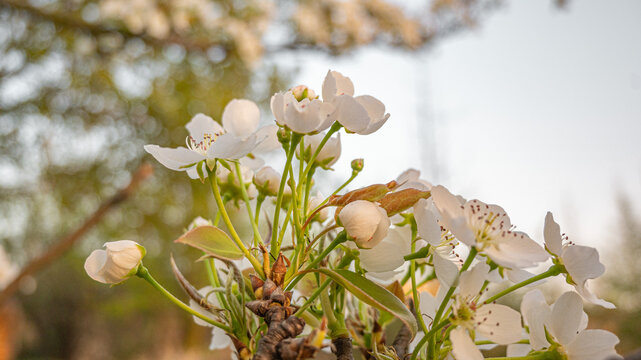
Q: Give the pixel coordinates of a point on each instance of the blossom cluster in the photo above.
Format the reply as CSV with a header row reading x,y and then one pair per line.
x,y
355,262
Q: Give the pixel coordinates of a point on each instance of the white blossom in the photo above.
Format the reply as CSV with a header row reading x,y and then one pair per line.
x,y
207,140
267,180
303,115
498,323
488,229
328,155
581,262
117,263
566,322
441,244
365,222
362,114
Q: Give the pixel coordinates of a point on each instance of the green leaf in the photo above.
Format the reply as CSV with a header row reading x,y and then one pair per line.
x,y
372,294
212,241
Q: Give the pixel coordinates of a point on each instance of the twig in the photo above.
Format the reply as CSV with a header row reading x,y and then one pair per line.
x,y
65,243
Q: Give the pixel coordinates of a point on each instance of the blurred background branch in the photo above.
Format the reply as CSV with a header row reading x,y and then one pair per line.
x,y
61,246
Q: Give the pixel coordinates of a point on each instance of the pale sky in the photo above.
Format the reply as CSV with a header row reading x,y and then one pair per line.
x,y
537,110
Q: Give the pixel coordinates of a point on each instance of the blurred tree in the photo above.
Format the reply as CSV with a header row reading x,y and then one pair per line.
x,y
84,84
622,279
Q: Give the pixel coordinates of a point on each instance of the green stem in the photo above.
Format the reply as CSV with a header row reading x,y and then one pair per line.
x,y
144,274
259,203
335,127
275,245
243,191
448,296
345,261
428,335
213,180
552,271
417,302
340,238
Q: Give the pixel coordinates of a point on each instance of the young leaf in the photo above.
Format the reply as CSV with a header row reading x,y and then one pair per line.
x,y
212,241
372,294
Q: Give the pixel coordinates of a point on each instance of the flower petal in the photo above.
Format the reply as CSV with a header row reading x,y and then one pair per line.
x,y
566,317
518,250
174,159
94,264
446,271
499,323
589,296
241,117
463,347
335,84
593,344
376,111
582,263
267,138
536,313
202,124
552,235
228,146
518,350
472,280
388,254
351,114
426,222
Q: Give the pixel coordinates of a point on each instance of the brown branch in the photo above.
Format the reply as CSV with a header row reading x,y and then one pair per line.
x,y
343,348
63,245
75,23
402,341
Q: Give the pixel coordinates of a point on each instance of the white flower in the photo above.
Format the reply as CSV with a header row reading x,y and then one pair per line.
x,y
411,179
488,229
362,114
441,244
219,338
328,155
314,202
8,270
365,222
498,323
267,180
581,262
566,323
304,115
388,254
116,264
208,140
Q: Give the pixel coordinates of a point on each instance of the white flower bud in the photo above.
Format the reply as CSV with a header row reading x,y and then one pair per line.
x,y
328,155
314,202
117,263
267,180
365,222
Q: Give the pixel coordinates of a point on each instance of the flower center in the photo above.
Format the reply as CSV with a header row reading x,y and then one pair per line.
x,y
202,146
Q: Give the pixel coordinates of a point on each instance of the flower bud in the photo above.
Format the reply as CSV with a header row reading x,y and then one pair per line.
x,y
314,202
117,263
365,223
267,181
357,165
284,136
301,92
328,155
